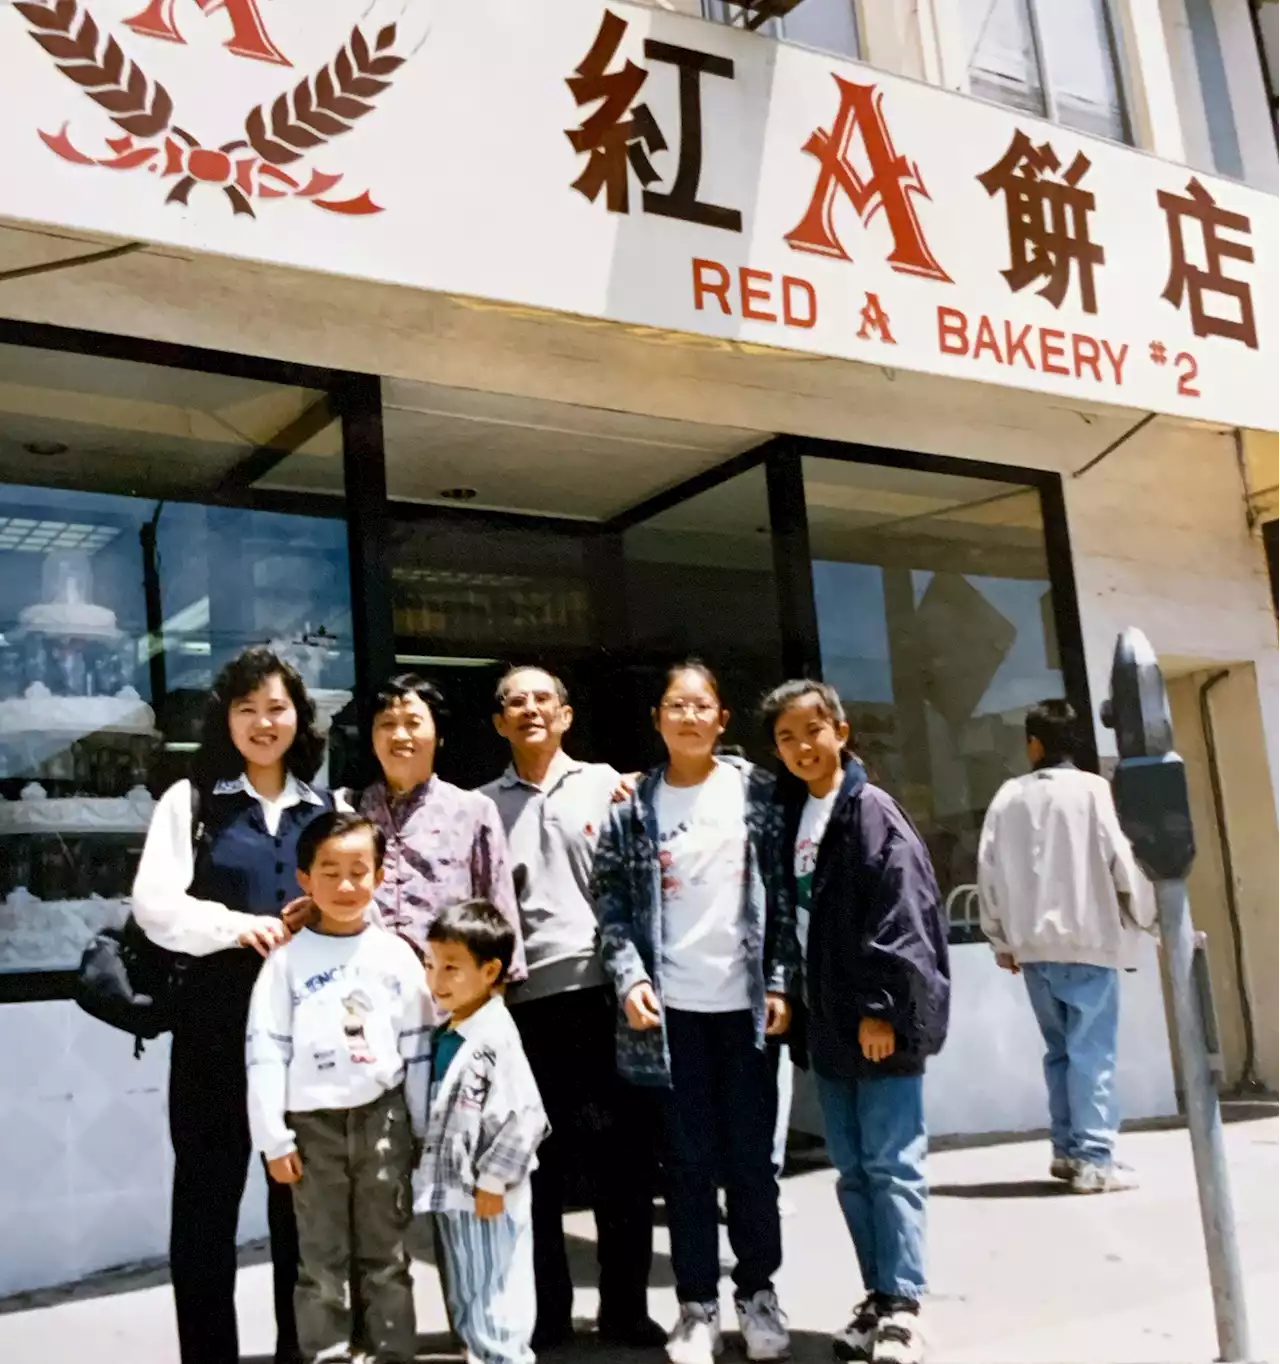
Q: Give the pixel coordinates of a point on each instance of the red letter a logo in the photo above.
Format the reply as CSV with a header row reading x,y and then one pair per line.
x,y
249,36
892,179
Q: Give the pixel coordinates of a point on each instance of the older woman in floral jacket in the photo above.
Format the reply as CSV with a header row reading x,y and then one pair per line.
x,y
444,845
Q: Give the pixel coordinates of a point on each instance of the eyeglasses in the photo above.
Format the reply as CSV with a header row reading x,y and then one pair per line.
x,y
700,710
543,700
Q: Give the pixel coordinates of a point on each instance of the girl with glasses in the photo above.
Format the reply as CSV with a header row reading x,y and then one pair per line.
x,y
698,935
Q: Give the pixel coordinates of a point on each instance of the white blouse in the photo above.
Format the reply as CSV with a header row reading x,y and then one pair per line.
x,y
170,916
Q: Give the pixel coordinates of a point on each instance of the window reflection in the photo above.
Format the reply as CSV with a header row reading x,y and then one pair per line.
x,y
935,625
121,595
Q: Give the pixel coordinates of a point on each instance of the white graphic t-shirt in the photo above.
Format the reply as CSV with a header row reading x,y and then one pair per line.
x,y
814,819
703,834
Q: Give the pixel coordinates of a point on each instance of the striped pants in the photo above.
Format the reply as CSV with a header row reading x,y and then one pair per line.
x,y
488,1281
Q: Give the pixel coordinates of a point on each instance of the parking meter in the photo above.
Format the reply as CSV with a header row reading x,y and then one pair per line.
x,y
1150,783
1150,789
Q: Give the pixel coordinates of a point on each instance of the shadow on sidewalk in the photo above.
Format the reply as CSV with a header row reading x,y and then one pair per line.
x,y
1022,1188
807,1347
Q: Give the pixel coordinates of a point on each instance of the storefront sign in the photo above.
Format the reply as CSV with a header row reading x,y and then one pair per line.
x,y
630,164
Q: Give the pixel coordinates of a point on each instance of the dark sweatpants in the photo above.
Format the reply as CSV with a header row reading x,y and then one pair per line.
x,y
602,1126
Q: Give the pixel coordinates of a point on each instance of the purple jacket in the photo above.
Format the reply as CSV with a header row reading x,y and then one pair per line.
x,y
444,845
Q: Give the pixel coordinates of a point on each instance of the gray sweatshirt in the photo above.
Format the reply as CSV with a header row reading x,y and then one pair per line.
x,y
552,831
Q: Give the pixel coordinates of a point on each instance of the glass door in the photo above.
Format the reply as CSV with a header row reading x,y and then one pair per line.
x,y
936,624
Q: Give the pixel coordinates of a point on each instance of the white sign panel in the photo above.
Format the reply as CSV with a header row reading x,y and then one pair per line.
x,y
630,164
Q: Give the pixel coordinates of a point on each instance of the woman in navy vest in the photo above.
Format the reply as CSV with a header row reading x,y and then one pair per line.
x,y
213,888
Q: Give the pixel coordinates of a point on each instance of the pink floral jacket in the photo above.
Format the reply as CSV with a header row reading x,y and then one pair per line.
x,y
444,845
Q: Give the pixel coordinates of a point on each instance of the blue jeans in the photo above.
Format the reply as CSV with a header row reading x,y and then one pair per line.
x,y
877,1141
718,1119
1078,1009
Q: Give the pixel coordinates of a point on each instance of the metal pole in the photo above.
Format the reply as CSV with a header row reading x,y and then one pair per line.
x,y
1204,1119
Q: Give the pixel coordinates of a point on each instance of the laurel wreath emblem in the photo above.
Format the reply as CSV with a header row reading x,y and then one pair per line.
x,y
276,133
137,105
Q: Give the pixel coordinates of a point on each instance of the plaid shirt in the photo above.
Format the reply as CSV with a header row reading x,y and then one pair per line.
x,y
485,1120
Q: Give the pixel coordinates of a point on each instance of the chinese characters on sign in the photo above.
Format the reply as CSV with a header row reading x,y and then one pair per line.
x,y
622,134
1189,281
770,194
1049,211
1048,220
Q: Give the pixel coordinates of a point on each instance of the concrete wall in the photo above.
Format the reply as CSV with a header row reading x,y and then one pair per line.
x,y
85,1162
1247,805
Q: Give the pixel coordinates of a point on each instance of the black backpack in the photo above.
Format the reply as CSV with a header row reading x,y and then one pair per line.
x,y
127,981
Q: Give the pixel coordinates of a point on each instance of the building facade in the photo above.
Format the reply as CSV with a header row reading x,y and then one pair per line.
x,y
925,346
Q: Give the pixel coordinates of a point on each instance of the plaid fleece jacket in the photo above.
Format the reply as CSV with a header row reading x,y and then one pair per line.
x,y
627,881
485,1119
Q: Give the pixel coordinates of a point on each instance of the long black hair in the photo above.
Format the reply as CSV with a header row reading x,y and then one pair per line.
x,y
218,759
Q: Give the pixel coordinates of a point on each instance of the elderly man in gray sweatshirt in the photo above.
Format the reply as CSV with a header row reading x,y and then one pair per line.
x,y
553,808
1060,902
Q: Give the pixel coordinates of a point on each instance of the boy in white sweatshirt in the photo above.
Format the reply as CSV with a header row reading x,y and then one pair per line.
x,y
339,1018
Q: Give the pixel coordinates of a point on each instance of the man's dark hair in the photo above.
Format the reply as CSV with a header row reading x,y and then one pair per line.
x,y
504,684
783,697
218,759
399,688
481,929
1053,722
337,824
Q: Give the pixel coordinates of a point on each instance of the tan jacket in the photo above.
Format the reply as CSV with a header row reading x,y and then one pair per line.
x,y
1057,879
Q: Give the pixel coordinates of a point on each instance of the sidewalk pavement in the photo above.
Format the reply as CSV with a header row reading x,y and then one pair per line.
x,y
1023,1272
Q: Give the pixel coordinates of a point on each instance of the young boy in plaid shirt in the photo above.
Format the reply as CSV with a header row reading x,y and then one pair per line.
x,y
485,1122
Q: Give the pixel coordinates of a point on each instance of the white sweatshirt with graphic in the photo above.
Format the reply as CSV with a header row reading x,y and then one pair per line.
x,y
335,1022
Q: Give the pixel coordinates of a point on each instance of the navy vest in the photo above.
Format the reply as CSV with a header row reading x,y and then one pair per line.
x,y
240,865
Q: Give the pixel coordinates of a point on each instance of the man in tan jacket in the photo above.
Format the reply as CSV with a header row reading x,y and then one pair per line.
x,y
1060,904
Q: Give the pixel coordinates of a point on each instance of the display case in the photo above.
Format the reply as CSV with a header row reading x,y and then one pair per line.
x,y
77,741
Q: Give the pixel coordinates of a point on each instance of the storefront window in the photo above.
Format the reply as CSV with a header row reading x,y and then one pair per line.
x,y
936,625
153,522
700,582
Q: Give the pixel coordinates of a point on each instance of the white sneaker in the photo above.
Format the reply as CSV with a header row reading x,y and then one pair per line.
x,y
695,1338
899,1339
858,1340
1095,1179
764,1326
1064,1168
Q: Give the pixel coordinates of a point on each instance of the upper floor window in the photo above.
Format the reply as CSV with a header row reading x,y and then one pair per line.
x,y
828,25
1055,58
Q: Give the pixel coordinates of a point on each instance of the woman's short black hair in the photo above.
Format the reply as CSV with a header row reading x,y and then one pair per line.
x,y
481,929
396,689
337,824
218,759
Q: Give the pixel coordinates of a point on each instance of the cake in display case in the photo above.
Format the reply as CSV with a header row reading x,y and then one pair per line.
x,y
76,743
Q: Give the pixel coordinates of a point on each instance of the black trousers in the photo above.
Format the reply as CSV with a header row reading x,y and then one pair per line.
x,y
602,1127
209,1128
719,1117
